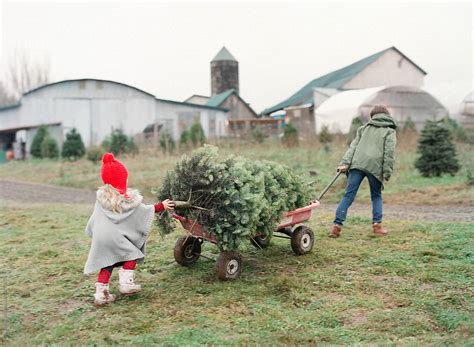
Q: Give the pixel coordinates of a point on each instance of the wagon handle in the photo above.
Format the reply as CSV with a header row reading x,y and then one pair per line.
x,y
329,185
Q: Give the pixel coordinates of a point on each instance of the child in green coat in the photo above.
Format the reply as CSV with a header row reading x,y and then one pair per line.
x,y
370,155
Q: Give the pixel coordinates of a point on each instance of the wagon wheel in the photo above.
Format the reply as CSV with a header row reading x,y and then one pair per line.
x,y
302,240
260,241
187,250
228,265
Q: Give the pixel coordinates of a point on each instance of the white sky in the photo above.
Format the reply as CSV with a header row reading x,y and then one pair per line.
x,y
166,48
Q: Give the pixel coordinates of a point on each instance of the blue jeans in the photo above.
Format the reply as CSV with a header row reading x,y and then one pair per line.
x,y
353,182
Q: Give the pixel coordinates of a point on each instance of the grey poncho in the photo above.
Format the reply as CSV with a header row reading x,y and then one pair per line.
x,y
118,237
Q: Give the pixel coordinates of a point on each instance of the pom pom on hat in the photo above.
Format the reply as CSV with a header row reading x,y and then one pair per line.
x,y
113,172
108,158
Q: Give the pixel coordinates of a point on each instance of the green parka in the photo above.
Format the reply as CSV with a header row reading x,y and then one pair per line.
x,y
373,149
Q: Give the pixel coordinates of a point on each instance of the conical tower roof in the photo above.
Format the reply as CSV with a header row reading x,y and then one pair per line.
x,y
224,54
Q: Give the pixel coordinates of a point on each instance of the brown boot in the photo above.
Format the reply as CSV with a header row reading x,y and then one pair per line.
x,y
379,230
335,231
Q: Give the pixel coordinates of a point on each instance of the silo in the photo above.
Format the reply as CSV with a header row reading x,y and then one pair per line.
x,y
224,72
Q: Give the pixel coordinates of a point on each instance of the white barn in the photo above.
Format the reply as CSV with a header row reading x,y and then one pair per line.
x,y
388,76
96,107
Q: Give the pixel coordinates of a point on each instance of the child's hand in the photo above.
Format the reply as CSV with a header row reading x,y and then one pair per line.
x,y
342,168
168,204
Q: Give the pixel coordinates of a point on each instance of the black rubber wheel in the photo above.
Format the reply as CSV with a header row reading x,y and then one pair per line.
x,y
302,240
260,241
187,250
228,265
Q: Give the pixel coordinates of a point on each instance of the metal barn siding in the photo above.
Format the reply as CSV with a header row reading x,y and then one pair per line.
x,y
391,68
95,107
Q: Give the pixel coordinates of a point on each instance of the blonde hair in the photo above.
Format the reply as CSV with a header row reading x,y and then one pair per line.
x,y
113,197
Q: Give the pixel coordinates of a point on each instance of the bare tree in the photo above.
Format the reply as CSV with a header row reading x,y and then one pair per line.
x,y
22,74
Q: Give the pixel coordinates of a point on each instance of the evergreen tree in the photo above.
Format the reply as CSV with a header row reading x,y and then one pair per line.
x,y
185,139
197,134
233,198
118,142
167,143
35,149
409,126
49,148
437,153
94,154
290,135
257,135
458,132
325,136
132,148
356,123
73,147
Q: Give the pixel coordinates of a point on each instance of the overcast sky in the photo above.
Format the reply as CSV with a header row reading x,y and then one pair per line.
x,y
166,48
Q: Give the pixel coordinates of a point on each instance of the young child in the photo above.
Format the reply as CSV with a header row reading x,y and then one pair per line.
x,y
370,155
119,228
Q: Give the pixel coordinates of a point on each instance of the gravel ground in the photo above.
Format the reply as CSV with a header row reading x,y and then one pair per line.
x,y
17,192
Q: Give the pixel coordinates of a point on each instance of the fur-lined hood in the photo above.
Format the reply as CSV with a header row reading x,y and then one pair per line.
x,y
110,199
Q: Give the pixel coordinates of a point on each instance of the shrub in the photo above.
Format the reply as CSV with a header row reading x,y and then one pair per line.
x,y
106,144
356,123
94,154
35,149
469,178
197,134
49,148
437,153
118,142
132,148
185,139
167,143
290,135
73,147
257,135
409,126
325,136
458,132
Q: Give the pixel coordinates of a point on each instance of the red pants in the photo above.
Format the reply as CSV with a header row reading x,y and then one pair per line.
x,y
106,272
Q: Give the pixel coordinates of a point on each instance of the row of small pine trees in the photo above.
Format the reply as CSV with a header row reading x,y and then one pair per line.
x,y
45,147
190,138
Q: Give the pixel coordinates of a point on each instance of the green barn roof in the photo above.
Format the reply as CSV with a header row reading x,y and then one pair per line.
x,y
335,79
224,54
218,99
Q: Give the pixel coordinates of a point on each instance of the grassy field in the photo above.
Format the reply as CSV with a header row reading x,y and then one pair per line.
x,y
149,167
413,287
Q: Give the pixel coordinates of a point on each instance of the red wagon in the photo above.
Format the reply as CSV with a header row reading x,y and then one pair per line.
x,y
187,249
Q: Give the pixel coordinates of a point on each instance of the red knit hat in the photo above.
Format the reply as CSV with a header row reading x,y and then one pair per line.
x,y
114,173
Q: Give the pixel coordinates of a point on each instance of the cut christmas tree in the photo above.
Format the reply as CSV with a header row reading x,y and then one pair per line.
x,y
234,198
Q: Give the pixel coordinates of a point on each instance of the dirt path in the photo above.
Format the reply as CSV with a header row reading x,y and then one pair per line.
x,y
17,192
41,193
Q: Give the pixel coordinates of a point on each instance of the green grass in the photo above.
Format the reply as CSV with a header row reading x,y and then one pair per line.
x,y
413,287
149,167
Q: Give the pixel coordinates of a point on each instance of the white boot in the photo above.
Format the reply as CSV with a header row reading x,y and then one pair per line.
x,y
102,295
127,282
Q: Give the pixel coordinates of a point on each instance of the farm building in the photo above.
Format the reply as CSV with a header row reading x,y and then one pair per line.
x,y
225,88
388,77
95,107
466,117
